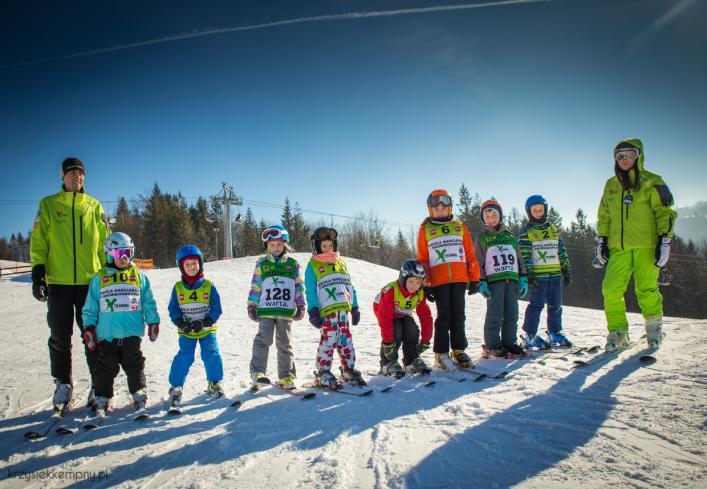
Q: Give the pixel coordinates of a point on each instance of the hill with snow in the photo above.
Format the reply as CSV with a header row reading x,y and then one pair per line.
x,y
619,422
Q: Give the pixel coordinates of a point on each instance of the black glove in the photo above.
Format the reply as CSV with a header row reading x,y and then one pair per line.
x,y
567,279
355,316
40,291
182,323
389,351
314,318
196,326
474,287
429,294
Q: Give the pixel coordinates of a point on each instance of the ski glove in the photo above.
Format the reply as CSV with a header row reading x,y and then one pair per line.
x,y
355,316
601,252
523,286
40,291
422,347
300,313
662,251
314,318
389,351
252,313
567,279
182,324
90,338
153,330
429,294
474,287
484,289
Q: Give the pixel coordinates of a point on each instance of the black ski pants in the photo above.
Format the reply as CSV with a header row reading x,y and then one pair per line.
x,y
407,334
64,304
112,355
449,325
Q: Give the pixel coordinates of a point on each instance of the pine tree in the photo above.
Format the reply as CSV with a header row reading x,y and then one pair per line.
x,y
251,235
300,232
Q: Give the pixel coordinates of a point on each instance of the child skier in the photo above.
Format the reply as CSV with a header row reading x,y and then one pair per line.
x,y
118,305
503,278
393,307
445,248
194,307
276,298
639,245
331,299
547,263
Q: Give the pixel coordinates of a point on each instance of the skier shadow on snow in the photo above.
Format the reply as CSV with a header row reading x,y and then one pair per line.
x,y
306,424
527,438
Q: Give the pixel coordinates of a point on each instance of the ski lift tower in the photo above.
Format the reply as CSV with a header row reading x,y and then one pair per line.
x,y
228,198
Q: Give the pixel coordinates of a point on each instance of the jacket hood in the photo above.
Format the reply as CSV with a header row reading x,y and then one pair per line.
x,y
631,178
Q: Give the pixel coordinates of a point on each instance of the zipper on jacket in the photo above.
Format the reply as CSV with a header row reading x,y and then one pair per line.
x,y
73,232
622,219
81,229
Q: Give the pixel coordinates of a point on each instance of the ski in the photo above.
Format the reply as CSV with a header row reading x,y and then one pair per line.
x,y
340,390
45,428
602,356
95,421
295,392
141,415
428,383
564,355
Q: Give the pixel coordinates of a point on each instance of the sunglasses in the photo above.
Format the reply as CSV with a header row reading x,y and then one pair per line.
x,y
120,253
626,154
271,234
435,200
326,234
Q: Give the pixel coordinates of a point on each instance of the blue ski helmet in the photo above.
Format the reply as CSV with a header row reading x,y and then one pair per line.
x,y
187,251
275,233
531,201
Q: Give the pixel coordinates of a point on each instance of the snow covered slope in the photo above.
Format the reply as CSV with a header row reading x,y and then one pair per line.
x,y
617,422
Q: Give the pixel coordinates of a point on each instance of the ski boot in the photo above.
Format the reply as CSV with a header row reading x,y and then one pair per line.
x,y
443,362
535,341
62,396
654,331
91,400
258,380
515,351
419,367
140,399
214,390
462,359
393,369
287,383
175,398
558,338
498,352
352,376
327,380
616,341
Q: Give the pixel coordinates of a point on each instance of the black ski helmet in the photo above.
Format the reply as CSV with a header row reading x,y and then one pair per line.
x,y
411,268
323,234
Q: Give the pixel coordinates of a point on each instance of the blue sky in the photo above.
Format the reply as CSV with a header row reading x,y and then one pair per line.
x,y
345,114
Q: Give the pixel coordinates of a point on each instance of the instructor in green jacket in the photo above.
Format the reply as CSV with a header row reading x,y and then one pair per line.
x,y
66,250
634,230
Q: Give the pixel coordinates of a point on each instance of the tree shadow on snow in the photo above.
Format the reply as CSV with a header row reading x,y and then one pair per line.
x,y
527,438
306,424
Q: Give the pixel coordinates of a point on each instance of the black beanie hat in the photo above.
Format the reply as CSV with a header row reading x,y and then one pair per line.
x,y
71,163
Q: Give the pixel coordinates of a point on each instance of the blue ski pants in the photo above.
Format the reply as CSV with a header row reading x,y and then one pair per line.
x,y
185,357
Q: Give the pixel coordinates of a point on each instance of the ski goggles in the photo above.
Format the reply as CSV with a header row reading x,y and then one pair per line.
x,y
326,234
120,253
274,234
435,200
626,154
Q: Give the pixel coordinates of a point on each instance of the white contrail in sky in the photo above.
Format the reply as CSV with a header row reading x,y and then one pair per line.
x,y
279,23
663,21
